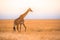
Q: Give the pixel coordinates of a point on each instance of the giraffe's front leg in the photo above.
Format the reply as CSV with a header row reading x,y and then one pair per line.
x,y
17,27
24,27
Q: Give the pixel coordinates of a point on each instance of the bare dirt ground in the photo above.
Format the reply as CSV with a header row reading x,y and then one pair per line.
x,y
36,30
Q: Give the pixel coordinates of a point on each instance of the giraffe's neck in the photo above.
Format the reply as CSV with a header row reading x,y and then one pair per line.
x,y
23,15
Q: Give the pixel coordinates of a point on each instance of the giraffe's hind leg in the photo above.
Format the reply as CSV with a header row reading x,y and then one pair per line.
x,y
20,27
17,27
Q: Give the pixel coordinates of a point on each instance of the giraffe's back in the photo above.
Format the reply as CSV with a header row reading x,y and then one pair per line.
x,y
19,21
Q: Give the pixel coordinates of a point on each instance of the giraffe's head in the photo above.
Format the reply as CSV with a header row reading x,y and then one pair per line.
x,y
30,9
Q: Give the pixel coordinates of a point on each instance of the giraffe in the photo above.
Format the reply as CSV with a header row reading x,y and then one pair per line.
x,y
20,20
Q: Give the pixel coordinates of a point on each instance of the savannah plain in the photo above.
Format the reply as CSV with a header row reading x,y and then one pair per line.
x,y
36,30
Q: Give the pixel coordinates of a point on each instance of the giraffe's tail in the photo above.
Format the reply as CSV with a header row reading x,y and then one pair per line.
x,y
14,28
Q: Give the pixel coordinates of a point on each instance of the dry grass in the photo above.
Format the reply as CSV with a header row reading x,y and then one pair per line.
x,y
36,30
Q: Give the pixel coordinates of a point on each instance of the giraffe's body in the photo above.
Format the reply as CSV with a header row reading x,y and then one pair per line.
x,y
20,21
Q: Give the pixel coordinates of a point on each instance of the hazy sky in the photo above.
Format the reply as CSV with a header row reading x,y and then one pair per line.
x,y
42,9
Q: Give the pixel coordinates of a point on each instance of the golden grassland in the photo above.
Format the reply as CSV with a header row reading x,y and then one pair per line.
x,y
32,24
36,30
